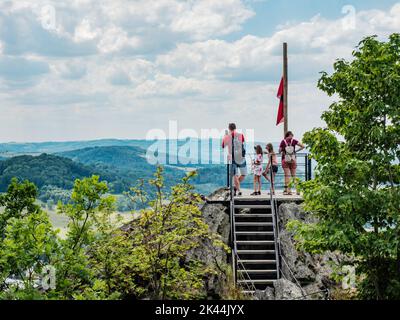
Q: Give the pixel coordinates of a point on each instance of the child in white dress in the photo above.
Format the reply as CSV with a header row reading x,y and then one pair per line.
x,y
257,170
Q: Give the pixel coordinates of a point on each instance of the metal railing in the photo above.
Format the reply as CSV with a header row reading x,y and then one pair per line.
x,y
232,220
275,221
304,171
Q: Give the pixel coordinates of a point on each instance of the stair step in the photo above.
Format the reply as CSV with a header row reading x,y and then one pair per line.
x,y
269,281
253,224
251,206
257,271
255,232
250,292
253,215
256,251
258,261
261,242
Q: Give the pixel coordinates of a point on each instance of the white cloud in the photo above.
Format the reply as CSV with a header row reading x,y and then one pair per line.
x,y
85,32
116,25
313,46
114,39
133,65
203,19
164,85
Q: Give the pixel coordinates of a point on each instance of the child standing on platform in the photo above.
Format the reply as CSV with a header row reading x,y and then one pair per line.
x,y
257,170
271,166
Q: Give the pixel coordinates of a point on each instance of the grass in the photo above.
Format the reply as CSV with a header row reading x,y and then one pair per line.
x,y
60,222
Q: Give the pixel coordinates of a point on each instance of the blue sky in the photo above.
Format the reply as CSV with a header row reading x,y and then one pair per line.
x,y
84,69
270,14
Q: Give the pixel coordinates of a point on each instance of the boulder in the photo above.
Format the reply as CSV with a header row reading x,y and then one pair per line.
x,y
295,264
287,290
221,194
267,294
217,218
312,271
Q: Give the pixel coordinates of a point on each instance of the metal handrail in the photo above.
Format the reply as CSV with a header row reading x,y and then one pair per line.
x,y
304,171
274,221
274,207
232,218
252,287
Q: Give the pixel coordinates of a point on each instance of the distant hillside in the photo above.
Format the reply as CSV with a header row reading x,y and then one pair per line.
x,y
42,170
122,161
121,166
56,147
131,162
207,149
123,157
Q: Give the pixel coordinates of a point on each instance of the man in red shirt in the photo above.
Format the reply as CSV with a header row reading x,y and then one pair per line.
x,y
234,141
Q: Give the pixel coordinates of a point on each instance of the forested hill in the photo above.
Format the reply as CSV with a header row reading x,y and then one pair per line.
x,y
123,157
131,162
122,169
123,162
121,166
43,170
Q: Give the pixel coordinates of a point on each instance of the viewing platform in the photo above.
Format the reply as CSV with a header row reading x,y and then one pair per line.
x,y
279,196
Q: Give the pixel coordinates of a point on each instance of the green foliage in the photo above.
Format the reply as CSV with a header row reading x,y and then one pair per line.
x,y
42,170
54,175
88,209
27,244
120,165
52,195
18,202
154,256
355,194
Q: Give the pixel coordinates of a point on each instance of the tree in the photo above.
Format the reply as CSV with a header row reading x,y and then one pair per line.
x,y
153,256
160,264
18,201
87,209
355,194
28,242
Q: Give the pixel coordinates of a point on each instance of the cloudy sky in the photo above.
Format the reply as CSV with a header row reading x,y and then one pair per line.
x,y
89,69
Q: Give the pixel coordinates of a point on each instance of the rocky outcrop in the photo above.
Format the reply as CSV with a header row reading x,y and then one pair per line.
x,y
221,194
283,290
305,276
217,218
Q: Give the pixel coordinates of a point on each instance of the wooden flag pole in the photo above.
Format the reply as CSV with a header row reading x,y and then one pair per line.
x,y
285,91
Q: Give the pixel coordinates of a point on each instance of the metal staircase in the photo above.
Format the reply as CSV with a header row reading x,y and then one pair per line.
x,y
256,262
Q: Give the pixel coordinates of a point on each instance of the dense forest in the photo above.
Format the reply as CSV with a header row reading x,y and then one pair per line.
x,y
42,170
121,166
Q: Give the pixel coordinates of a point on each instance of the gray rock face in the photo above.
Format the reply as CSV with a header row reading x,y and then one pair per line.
x,y
286,290
283,290
219,195
295,264
311,272
267,294
217,218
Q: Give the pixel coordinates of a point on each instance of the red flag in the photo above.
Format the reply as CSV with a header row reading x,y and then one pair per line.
x,y
281,115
